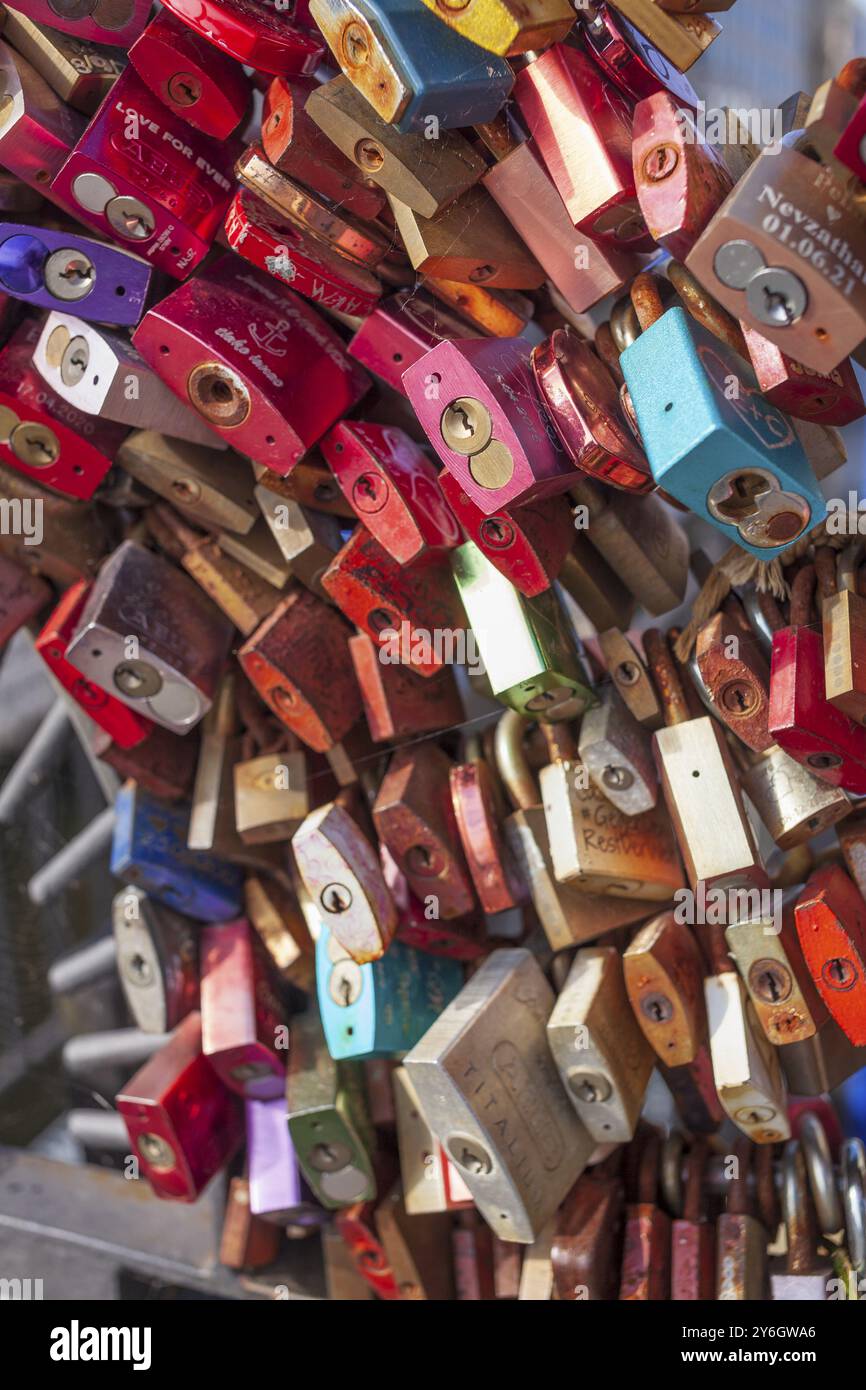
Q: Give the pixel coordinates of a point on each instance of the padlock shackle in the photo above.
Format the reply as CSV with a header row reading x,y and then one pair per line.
x,y
847,565
705,310
802,591
647,300
797,1211
666,678
605,346
512,764
624,324
821,1174
825,572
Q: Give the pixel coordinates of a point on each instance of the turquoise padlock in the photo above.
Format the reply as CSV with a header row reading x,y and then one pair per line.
x,y
712,440
380,1009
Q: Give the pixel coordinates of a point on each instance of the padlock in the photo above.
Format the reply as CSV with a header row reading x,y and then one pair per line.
x,y
22,597
473,1250
627,669
630,60
400,332
505,27
382,1008
736,676
770,960
458,938
401,609
792,803
263,37
476,809
586,1249
399,703
646,1256
141,174
54,269
741,1240
211,821
414,818
487,1086
313,269
343,1281
641,541
831,108
308,540
850,149
310,482
600,1053
584,407
42,436
427,177
843,618
163,764
148,636
409,67
582,271
617,754
806,1278
471,242
246,1242
102,22
680,179
831,925
298,661
537,671
328,1124
40,131
478,404
271,793
746,1070
205,88
242,1018
79,70
563,92
210,486
277,1192
343,878
664,980
431,1180
568,915
771,497
149,850
258,551
693,1237
418,1250
157,961
294,145
801,720
272,388
99,372
276,916
241,595
393,488
507,1268
680,38
528,544
809,302
51,535
357,1231
312,218
596,847
183,1124
499,313
696,770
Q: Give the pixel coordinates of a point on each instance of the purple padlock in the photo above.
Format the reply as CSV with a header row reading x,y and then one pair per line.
x,y
278,1192
478,404
63,270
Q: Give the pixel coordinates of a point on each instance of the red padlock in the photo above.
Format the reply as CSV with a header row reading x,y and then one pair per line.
x,y
140,175
312,268
397,703
393,488
164,764
851,147
407,609
243,1029
192,78
457,938
494,872
527,544
831,924
400,331
831,398
120,721
183,1124
261,36
680,180
254,360
44,437
800,719
39,130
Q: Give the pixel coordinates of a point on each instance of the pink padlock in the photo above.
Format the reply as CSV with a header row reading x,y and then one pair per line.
x,y
253,359
478,403
400,331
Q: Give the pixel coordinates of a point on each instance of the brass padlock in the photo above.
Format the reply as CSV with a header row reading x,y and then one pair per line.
x,y
627,669
80,71
212,487
308,540
271,792
770,961
487,1084
603,1058
664,980
844,624
471,241
277,917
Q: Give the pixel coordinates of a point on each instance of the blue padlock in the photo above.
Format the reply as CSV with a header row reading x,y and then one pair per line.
x,y
380,1009
149,850
415,72
712,440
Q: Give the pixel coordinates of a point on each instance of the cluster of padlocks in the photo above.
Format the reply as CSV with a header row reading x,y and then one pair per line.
x,y
361,360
